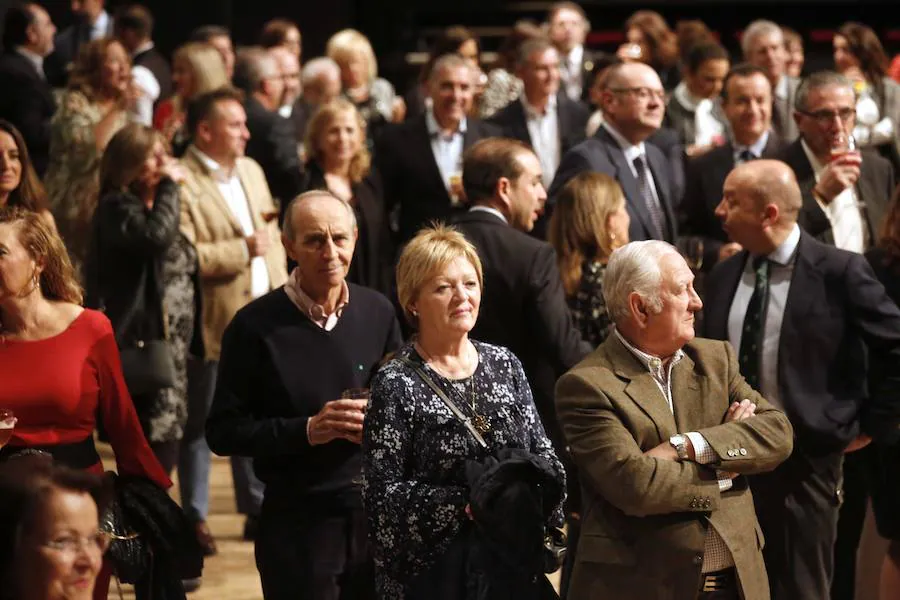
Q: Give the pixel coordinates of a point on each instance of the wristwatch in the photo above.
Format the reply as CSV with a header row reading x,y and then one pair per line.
x,y
679,442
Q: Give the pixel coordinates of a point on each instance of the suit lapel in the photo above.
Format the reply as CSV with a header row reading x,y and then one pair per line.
x,y
626,179
422,151
563,122
642,389
716,175
519,123
253,205
211,188
806,279
685,385
866,191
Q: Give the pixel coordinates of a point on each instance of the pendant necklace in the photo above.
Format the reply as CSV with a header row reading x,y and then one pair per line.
x,y
479,421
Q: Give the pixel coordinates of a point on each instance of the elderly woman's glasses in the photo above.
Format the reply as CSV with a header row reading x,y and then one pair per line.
x,y
71,545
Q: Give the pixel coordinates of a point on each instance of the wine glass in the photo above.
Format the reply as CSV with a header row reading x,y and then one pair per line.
x,y
844,144
7,424
356,394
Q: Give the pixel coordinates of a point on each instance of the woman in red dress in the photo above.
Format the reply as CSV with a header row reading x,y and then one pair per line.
x,y
59,363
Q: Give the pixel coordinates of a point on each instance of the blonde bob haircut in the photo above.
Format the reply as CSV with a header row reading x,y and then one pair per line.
x,y
206,67
349,42
361,163
578,229
425,256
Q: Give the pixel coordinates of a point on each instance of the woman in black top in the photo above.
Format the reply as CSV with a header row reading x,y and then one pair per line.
x,y
339,162
141,270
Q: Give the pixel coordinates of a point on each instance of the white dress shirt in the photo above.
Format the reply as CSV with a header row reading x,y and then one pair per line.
x,y
447,149
781,270
844,212
232,190
150,90
543,129
631,152
716,555
571,72
707,128
100,28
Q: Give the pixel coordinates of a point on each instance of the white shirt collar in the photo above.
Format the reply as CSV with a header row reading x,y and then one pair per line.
x,y
654,364
216,170
148,45
432,125
532,113
35,59
575,56
490,210
100,26
631,151
756,147
783,254
781,88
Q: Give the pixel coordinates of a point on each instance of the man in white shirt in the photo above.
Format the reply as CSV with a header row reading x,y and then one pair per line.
x,y
567,28
224,202
846,192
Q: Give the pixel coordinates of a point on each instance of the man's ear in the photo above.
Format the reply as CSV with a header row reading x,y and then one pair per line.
x,y
504,185
638,309
288,247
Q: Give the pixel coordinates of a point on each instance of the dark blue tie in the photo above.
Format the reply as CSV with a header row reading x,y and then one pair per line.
x,y
750,355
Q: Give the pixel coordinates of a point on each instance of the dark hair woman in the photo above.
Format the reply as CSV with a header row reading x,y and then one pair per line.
x,y
19,183
140,271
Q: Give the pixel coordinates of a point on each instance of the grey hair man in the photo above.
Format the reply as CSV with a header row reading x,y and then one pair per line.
x,y
818,335
272,143
836,178
664,431
763,45
320,83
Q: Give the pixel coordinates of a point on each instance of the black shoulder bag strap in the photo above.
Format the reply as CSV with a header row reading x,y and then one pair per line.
x,y
447,401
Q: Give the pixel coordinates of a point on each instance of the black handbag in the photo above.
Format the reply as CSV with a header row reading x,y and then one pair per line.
x,y
148,366
554,552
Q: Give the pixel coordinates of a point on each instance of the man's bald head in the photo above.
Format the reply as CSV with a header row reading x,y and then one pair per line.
x,y
634,101
770,182
302,208
626,75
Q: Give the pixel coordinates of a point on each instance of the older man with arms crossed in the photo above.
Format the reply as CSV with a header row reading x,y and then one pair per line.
x,y
288,359
819,336
664,429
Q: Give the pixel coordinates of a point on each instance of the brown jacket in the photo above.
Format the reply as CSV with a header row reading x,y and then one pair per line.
x,y
207,221
644,520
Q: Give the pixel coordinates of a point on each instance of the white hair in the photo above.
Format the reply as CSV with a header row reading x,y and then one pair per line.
x,y
317,67
756,29
634,268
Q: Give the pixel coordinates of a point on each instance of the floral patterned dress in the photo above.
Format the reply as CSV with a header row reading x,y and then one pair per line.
x,y
587,305
415,450
72,179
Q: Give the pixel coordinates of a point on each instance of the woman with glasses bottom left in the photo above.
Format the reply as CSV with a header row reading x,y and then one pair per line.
x,y
50,544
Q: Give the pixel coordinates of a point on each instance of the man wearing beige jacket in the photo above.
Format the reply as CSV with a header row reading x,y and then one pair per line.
x,y
663,430
227,213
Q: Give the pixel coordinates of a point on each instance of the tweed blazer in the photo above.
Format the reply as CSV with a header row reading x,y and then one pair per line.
x,y
224,264
645,520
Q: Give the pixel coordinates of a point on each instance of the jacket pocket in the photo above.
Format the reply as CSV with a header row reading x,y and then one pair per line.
x,y
605,550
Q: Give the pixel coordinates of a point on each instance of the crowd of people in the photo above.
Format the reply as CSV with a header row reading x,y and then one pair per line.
x,y
649,296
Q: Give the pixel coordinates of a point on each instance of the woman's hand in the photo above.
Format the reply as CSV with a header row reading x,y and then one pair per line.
x,y
398,110
175,171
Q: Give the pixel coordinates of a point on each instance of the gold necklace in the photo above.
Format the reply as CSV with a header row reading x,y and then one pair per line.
x,y
479,421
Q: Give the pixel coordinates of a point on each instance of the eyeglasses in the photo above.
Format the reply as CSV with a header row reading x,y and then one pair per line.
x,y
826,117
641,93
71,545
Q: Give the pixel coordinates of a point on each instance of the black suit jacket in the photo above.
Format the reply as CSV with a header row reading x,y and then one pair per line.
x,y
571,116
373,258
26,101
601,153
523,306
839,348
874,189
66,46
705,178
157,64
272,144
412,180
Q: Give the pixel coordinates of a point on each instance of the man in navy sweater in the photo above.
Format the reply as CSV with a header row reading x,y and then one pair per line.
x,y
287,358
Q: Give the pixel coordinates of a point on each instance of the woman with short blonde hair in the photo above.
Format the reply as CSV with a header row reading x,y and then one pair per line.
x,y
589,222
339,161
441,407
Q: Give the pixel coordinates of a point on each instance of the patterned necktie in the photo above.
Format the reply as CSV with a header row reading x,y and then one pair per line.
x,y
653,207
750,355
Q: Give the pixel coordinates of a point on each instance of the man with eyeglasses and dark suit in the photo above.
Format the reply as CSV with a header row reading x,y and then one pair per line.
x,y
846,191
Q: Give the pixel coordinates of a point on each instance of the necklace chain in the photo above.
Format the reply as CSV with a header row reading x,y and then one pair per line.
x,y
481,423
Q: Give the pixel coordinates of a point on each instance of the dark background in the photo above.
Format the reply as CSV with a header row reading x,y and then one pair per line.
x,y
396,27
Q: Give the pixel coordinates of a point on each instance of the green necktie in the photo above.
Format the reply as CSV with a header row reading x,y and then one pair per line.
x,y
750,355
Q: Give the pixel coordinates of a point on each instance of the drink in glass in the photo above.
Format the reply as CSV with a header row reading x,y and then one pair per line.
x,y
7,424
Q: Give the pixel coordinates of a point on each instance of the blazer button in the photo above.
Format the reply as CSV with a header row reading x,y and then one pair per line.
x,y
731,453
743,452
698,559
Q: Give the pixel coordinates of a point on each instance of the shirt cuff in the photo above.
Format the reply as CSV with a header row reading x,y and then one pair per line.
x,y
725,483
308,422
703,452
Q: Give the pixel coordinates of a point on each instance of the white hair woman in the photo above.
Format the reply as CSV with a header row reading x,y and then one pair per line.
x,y
429,406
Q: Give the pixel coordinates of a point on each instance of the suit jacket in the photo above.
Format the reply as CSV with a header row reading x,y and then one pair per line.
x,y
645,520
601,153
839,348
705,179
373,258
209,224
273,146
412,180
153,60
874,189
571,118
783,112
523,307
66,46
27,102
